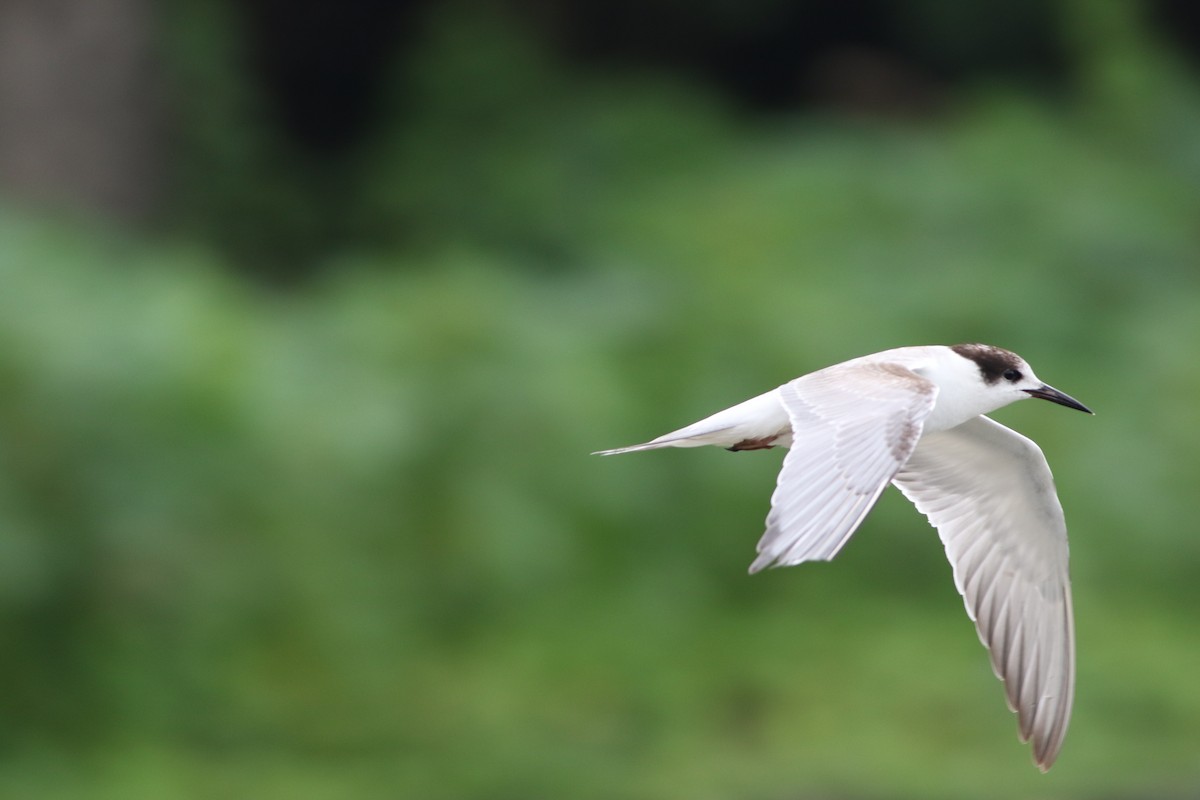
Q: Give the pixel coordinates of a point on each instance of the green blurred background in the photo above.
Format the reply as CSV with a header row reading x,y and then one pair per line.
x,y
311,313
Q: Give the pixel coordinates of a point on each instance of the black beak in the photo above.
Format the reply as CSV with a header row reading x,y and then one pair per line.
x,y
1055,396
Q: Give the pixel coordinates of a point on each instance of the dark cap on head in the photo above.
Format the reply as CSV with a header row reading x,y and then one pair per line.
x,y
992,361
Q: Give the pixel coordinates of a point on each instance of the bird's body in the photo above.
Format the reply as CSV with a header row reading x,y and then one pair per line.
x,y
913,416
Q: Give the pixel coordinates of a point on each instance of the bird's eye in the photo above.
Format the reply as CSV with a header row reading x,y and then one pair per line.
x,y
1012,375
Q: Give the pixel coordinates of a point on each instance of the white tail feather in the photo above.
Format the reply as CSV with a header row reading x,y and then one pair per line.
x,y
756,418
670,440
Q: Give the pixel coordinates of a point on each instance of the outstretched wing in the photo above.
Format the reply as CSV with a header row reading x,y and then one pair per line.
x,y
989,492
853,427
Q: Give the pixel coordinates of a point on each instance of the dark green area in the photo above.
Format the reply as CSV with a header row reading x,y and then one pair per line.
x,y
346,540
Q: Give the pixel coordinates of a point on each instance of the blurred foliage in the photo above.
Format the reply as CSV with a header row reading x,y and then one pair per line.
x,y
347,540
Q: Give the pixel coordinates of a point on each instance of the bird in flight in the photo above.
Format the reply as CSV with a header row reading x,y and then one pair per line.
x,y
914,417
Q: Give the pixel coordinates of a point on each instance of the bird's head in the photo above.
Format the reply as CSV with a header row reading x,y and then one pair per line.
x,y
1004,377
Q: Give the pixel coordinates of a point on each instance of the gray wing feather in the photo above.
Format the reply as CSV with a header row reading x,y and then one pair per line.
x,y
990,494
853,426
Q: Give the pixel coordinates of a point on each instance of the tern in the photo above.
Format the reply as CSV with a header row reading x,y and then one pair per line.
x,y
914,417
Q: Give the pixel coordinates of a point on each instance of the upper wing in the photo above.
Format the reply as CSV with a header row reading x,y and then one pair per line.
x,y
989,492
853,426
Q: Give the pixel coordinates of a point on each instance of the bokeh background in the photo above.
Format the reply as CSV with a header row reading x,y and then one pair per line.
x,y
311,312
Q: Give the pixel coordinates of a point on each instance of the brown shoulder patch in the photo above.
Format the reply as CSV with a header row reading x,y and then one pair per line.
x,y
762,443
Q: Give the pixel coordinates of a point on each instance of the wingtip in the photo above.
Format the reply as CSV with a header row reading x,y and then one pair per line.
x,y
1045,753
764,561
